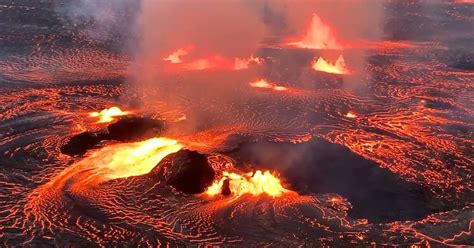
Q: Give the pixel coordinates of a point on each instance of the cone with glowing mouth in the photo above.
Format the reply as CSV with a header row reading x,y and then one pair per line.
x,y
251,183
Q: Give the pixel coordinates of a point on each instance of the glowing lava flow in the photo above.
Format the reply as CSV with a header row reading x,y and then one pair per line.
x,y
262,83
251,183
215,62
351,115
337,68
318,36
174,58
116,161
221,63
107,115
133,159
241,64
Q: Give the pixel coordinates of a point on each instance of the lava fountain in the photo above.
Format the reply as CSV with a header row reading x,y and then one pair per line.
x,y
116,161
107,115
256,183
132,159
264,84
175,57
339,67
210,62
318,36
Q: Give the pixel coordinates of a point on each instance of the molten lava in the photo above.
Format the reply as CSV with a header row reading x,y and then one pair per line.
x,y
337,68
262,83
174,58
121,160
251,183
351,115
213,62
133,159
318,36
107,115
221,63
241,64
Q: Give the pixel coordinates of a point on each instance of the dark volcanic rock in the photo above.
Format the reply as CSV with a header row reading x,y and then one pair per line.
x,y
226,187
189,172
465,63
135,129
127,130
81,143
320,167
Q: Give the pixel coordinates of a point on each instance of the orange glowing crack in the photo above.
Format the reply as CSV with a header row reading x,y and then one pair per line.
x,y
251,183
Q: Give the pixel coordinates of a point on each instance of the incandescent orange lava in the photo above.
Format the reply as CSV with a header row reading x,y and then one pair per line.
x,y
244,63
107,115
413,120
174,58
213,62
339,67
221,63
117,161
132,159
318,36
256,183
351,115
263,83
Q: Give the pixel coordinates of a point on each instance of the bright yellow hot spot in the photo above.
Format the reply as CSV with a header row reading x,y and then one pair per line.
x,y
136,158
122,160
337,68
351,115
251,183
262,83
175,57
107,115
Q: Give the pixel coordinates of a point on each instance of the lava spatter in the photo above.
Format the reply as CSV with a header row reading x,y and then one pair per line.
x,y
251,183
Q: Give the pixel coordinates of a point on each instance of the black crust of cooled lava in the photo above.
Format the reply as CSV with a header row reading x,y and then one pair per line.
x,y
134,129
189,172
81,143
461,60
128,129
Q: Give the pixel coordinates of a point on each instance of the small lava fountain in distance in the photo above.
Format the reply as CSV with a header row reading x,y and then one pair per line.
x,y
251,183
262,83
241,64
351,115
318,36
213,62
107,115
339,67
174,58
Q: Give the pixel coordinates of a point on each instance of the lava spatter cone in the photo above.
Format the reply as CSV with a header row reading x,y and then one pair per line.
x,y
135,129
126,129
189,172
